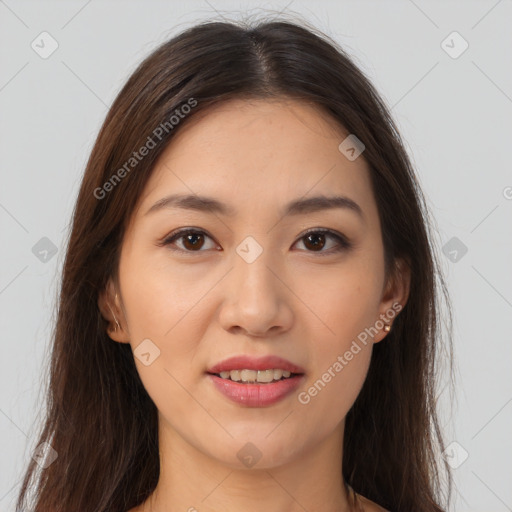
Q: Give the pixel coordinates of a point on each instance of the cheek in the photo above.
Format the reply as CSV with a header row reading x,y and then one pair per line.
x,y
345,302
170,317
162,301
330,392
165,307
341,347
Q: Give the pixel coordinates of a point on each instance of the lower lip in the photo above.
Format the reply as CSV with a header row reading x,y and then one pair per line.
x,y
256,395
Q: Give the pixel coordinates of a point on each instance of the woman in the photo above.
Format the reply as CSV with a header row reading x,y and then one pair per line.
x,y
249,315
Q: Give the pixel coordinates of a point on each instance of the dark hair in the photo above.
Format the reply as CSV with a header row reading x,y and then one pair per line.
x,y
100,419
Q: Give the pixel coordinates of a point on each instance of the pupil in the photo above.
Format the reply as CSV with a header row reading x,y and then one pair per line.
x,y
316,244
188,240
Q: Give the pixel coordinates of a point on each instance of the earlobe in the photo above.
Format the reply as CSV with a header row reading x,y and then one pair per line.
x,y
108,304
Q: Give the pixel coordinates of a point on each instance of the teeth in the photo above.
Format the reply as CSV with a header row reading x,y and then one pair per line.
x,y
263,376
249,375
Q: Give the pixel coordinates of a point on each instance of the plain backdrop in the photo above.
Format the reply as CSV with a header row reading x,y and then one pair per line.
x,y
450,94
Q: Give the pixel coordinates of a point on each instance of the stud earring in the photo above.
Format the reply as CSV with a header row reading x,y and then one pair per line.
x,y
387,327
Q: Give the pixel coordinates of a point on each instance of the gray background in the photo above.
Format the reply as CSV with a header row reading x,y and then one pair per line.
x,y
454,114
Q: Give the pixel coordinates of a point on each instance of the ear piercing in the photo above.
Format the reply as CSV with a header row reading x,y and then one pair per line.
x,y
387,327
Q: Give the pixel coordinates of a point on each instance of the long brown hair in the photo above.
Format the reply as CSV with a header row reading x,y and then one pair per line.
x,y
100,420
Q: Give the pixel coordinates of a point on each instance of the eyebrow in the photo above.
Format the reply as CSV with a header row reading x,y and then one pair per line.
x,y
297,207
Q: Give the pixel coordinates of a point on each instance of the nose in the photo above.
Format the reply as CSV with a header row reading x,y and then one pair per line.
x,y
256,298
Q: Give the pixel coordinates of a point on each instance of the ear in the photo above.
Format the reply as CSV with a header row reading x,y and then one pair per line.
x,y
394,296
109,304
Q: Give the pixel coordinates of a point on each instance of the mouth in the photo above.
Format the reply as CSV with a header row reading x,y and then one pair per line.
x,y
247,376
256,382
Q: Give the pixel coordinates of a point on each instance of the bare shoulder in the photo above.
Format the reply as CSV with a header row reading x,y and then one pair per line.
x,y
136,509
370,506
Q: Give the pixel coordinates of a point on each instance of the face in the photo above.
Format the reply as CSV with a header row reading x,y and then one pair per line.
x,y
247,275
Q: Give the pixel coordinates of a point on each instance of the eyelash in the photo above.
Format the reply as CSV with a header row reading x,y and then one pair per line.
x,y
343,243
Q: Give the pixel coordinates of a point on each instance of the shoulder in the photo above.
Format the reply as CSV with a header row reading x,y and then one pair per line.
x,y
370,506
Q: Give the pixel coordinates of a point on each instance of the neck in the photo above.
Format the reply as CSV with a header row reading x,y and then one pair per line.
x,y
191,480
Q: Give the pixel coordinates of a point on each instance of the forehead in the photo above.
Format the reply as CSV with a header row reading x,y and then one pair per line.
x,y
257,153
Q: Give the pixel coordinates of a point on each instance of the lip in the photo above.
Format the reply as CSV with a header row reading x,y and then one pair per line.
x,y
243,362
256,395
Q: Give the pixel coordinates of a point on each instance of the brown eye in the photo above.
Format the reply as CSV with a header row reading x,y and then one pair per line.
x,y
191,240
316,240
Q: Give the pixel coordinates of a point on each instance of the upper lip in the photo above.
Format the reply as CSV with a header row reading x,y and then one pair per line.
x,y
243,362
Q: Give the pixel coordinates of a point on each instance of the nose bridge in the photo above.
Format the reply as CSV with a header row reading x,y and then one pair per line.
x,y
254,297
251,268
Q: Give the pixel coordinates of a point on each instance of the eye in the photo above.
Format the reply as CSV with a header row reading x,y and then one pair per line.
x,y
192,240
316,239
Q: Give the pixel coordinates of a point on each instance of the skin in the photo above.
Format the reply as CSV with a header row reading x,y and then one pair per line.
x,y
304,304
